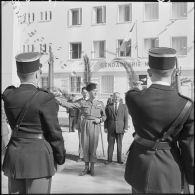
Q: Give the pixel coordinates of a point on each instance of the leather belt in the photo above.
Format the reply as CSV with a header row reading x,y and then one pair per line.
x,y
89,118
27,135
155,145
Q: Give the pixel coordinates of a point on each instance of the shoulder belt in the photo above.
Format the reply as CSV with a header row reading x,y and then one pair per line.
x,y
24,110
177,120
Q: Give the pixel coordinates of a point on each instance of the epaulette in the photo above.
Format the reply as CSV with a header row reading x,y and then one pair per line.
x,y
10,87
185,97
46,91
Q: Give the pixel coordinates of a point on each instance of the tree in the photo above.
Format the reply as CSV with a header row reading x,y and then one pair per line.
x,y
87,70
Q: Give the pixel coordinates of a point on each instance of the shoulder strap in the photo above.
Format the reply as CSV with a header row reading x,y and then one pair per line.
x,y
24,110
177,120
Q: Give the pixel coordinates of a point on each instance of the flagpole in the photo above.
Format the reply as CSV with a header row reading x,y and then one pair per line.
x,y
136,40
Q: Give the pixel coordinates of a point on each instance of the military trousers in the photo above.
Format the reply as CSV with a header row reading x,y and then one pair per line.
x,y
111,141
80,150
89,140
29,186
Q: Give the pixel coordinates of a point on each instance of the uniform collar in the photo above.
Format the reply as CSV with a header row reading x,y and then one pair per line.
x,y
27,85
162,87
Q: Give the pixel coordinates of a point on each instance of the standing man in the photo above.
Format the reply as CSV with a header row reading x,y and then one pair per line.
x,y
115,125
163,147
93,115
73,114
36,143
84,93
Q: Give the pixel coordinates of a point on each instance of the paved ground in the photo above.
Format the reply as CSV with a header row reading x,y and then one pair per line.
x,y
108,178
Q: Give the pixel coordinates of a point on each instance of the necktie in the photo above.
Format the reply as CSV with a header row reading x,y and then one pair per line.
x,y
115,108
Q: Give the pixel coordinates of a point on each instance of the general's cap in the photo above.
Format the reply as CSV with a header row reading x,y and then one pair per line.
x,y
162,58
91,86
28,62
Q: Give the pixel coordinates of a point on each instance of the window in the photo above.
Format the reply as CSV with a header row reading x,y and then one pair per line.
x,y
28,48
75,82
180,45
75,50
150,43
179,10
31,18
75,16
99,49
43,48
151,11
125,50
107,84
45,16
99,15
45,82
125,13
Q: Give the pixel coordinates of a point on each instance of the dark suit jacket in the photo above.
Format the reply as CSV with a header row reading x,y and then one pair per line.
x,y
117,122
33,158
152,111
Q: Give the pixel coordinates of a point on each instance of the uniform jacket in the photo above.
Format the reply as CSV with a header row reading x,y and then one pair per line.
x,y
33,158
116,122
152,111
88,109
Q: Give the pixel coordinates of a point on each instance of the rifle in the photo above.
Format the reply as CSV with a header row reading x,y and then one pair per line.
x,y
177,77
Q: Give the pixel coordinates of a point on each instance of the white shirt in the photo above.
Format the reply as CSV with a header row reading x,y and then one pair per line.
x,y
161,83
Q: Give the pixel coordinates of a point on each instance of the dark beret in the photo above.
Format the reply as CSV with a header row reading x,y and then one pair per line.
x,y
91,86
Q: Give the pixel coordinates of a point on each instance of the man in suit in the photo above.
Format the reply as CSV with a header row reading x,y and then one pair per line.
x,y
115,125
159,156
36,143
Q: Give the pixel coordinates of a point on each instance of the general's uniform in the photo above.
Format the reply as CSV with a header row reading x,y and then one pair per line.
x,y
153,110
38,144
89,130
79,122
116,121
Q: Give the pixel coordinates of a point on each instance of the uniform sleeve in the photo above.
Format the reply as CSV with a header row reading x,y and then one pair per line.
x,y
186,144
126,117
103,114
64,103
50,123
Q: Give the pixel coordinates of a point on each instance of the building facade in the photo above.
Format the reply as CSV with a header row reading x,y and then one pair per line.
x,y
103,31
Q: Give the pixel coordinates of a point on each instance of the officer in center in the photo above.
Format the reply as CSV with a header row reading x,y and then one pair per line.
x,y
157,163
36,143
93,113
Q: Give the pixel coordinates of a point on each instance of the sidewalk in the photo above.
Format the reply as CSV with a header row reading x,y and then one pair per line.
x,y
107,179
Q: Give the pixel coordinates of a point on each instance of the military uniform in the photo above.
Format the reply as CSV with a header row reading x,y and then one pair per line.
x,y
92,111
38,144
153,110
89,130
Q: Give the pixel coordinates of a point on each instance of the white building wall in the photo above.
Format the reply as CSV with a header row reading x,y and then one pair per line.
x,y
60,34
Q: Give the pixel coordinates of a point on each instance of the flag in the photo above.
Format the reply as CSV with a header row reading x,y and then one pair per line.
x,y
127,39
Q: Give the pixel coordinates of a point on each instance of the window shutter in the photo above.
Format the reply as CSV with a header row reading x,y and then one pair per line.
x,y
104,14
94,16
80,16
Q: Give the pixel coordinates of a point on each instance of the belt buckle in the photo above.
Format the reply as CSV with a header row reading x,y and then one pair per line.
x,y
155,147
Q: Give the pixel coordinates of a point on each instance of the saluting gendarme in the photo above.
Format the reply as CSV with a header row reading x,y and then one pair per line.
x,y
93,113
162,152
